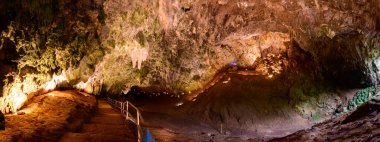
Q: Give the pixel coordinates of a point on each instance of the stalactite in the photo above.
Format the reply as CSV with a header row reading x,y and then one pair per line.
x,y
138,55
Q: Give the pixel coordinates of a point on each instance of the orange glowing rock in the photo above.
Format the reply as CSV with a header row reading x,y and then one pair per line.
x,y
56,80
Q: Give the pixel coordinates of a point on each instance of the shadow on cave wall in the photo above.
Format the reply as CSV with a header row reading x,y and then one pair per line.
x,y
8,55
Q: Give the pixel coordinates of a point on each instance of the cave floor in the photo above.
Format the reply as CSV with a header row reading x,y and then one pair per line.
x,y
239,106
107,125
360,125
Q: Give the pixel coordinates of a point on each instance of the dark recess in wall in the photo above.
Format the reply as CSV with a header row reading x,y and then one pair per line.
x,y
378,24
7,13
8,55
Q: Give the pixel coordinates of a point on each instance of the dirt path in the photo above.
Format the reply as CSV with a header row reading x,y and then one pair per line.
x,y
107,125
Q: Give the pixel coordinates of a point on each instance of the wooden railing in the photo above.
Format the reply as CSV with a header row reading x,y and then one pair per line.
x,y
130,113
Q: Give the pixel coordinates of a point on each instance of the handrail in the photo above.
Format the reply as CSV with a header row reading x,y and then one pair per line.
x,y
125,110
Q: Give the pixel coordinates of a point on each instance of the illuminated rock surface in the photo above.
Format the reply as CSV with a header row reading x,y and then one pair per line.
x,y
47,117
190,41
360,125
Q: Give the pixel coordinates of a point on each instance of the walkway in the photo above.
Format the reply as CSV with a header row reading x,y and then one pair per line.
x,y
107,125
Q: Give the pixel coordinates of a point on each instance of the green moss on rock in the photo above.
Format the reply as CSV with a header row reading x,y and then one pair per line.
x,y
138,16
359,98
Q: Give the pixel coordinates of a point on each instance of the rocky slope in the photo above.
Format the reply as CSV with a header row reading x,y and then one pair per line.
x,y
48,117
359,125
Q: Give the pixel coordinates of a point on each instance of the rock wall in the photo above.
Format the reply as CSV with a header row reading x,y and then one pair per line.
x,y
360,125
41,38
188,42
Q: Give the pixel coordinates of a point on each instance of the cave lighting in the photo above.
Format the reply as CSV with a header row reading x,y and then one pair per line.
x,y
226,81
56,80
179,104
84,86
81,85
16,99
18,93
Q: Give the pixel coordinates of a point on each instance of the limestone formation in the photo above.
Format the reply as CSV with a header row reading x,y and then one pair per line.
x,y
139,55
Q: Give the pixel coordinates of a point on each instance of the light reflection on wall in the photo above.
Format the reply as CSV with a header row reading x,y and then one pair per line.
x,y
91,86
56,80
18,92
15,97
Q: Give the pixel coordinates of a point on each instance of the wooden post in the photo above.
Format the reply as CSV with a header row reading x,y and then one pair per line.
x,y
138,117
122,108
138,134
221,128
138,124
127,111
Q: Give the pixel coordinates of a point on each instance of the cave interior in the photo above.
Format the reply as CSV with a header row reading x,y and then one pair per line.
x,y
189,70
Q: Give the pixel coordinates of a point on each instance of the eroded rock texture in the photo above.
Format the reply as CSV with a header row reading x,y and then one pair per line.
x,y
190,41
360,125
186,43
48,117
